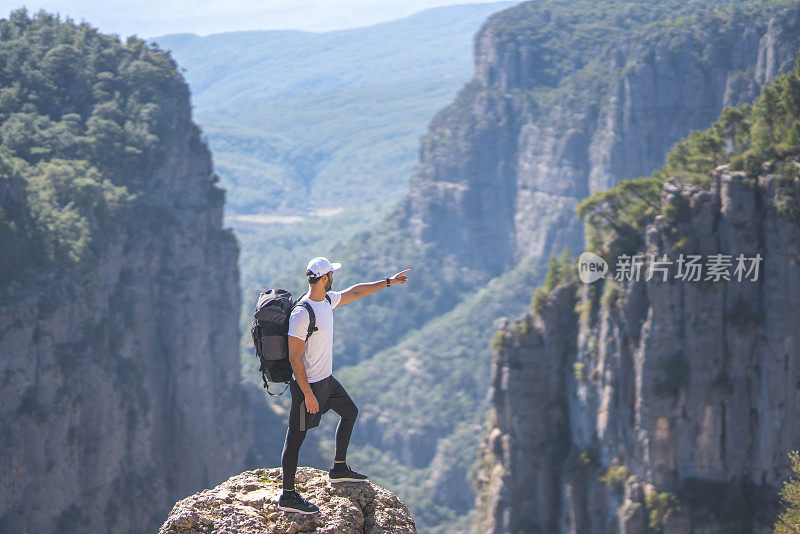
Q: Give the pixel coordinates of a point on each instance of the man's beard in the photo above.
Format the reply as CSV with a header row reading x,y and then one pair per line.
x,y
328,286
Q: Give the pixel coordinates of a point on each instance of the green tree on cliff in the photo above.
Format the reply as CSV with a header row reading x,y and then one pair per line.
x,y
83,122
789,519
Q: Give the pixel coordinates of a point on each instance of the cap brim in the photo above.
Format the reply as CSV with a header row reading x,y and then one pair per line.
x,y
336,265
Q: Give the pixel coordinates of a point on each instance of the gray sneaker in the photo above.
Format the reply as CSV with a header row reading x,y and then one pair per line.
x,y
346,475
292,502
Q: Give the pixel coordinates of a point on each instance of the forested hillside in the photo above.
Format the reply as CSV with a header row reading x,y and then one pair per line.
x,y
81,121
302,121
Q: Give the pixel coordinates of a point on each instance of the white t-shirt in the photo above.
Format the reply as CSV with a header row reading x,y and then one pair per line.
x,y
318,355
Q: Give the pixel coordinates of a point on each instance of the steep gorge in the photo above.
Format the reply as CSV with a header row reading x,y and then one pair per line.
x,y
501,172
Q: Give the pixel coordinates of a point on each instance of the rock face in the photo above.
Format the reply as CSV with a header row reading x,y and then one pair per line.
x,y
248,503
657,404
504,166
120,385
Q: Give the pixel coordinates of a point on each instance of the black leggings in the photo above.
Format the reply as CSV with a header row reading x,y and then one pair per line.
x,y
294,438
291,448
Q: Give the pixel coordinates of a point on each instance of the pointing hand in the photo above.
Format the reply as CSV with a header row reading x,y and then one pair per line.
x,y
400,278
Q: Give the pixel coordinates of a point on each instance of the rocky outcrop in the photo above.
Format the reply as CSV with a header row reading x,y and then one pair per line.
x,y
120,383
634,406
248,503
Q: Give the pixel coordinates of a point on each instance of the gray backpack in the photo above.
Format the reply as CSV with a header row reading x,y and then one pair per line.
x,y
270,331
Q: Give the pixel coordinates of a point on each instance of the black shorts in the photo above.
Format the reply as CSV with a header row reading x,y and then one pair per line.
x,y
330,395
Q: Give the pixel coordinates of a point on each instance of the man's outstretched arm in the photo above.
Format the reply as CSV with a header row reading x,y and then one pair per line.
x,y
368,288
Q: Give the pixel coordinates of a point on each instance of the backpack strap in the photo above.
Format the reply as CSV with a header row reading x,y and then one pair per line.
x,y
312,318
271,394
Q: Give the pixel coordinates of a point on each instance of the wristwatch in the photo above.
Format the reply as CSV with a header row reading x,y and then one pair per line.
x,y
387,282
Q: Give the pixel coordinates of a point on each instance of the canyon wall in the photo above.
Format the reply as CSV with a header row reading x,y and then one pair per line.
x,y
119,378
637,406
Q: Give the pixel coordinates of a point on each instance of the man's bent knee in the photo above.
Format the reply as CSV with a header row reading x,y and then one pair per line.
x,y
349,412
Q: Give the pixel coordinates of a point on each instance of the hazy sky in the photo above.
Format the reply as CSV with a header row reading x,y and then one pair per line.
x,y
148,18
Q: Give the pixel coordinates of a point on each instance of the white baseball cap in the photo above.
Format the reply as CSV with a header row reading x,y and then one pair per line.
x,y
320,265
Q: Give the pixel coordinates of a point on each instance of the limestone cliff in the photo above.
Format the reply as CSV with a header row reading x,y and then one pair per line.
x,y
656,405
248,503
119,380
504,166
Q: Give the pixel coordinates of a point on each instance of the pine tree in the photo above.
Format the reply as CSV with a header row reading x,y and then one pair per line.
x,y
789,519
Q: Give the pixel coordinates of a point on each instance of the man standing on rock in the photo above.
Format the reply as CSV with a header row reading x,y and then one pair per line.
x,y
314,389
